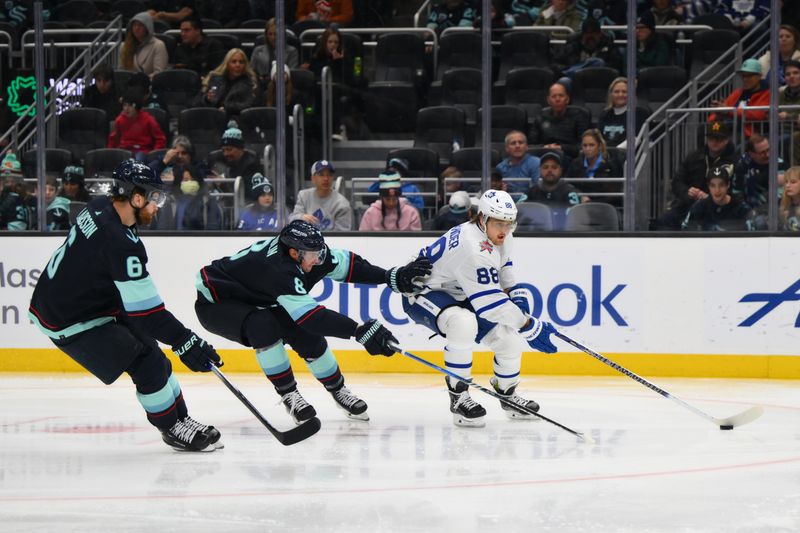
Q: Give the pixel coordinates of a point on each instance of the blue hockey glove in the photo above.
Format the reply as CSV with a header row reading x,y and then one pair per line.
x,y
196,353
519,296
537,335
376,338
405,279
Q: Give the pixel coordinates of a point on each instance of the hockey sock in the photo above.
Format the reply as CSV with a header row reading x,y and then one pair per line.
x,y
274,361
162,406
507,371
459,362
180,405
326,370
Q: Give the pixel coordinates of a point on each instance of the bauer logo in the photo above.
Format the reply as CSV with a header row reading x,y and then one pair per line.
x,y
771,301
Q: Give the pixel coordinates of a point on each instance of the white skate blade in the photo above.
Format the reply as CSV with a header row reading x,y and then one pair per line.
x,y
463,421
208,449
364,417
516,415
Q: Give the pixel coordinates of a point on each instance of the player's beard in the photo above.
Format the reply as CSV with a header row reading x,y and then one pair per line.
x,y
144,217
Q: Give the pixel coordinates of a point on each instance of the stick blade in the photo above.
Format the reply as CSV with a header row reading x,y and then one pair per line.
x,y
299,433
745,417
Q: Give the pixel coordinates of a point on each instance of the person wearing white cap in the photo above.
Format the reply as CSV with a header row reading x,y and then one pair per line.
x,y
390,212
321,205
753,92
459,210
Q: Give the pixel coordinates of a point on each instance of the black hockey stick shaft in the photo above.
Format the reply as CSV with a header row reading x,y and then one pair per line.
x,y
287,438
492,393
736,420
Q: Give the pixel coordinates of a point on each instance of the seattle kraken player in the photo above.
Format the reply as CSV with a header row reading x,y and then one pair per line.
x,y
98,304
259,297
471,297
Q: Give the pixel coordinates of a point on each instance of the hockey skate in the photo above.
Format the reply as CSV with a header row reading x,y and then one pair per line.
x,y
297,407
355,407
511,395
189,435
466,411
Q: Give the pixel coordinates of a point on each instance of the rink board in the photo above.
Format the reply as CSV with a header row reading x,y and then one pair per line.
x,y
715,307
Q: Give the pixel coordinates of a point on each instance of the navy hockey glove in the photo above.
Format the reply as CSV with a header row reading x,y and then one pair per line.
x,y
537,334
404,279
519,296
376,338
196,353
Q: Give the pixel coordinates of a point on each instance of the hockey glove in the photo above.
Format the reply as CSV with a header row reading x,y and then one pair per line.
x,y
537,334
405,280
376,338
519,296
196,353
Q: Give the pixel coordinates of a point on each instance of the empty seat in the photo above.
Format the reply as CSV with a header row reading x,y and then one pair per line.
x,y
127,8
707,46
590,88
523,49
55,161
440,128
204,126
400,57
228,41
592,216
534,216
258,125
176,88
458,49
102,161
161,116
656,85
121,78
528,87
505,118
391,107
716,21
83,11
462,88
422,162
470,161
82,129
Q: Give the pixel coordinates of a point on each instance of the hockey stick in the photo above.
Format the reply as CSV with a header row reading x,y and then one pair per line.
x,y
287,438
490,392
731,422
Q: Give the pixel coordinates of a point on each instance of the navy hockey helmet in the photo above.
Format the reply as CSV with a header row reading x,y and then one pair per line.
x,y
303,237
131,174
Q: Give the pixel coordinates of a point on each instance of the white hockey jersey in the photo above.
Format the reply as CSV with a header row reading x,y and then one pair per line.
x,y
467,265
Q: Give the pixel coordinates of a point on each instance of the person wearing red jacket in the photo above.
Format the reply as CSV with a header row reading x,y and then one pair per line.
x,y
134,129
752,93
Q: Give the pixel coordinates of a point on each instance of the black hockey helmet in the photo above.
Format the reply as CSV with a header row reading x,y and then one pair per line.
x,y
131,174
303,237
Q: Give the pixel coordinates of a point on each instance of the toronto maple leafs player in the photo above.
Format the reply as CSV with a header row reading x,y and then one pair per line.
x,y
471,297
98,304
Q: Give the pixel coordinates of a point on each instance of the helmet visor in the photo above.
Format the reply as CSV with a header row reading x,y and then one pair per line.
x,y
317,257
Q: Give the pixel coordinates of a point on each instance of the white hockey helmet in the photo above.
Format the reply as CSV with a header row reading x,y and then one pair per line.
x,y
499,205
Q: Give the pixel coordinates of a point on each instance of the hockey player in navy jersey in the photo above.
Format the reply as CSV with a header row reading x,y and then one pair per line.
x,y
259,297
98,304
471,296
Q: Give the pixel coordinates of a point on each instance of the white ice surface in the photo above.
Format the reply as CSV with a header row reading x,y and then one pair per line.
x,y
79,456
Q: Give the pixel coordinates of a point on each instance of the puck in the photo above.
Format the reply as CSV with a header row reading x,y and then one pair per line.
x,y
726,427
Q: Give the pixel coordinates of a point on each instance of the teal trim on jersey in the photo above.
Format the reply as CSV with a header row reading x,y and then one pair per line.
x,y
297,305
158,401
273,360
323,366
201,288
341,258
74,329
139,294
176,387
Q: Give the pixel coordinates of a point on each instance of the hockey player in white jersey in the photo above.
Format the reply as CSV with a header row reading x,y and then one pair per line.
x,y
470,297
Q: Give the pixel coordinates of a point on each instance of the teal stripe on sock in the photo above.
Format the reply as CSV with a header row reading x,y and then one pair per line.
x,y
176,387
273,360
156,402
323,366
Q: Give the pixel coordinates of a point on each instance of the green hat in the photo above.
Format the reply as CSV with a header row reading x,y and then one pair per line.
x,y
388,181
751,66
10,165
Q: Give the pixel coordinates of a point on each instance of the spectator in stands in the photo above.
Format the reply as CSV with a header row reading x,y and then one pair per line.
x,y
230,13
606,12
788,48
789,210
196,51
689,9
500,19
753,92
57,210
189,206
449,182
231,86
234,161
451,14
181,152
264,55
652,48
744,15
560,126
595,162
271,94
399,165
328,53
664,13
141,51
141,82
391,212
560,13
790,95
558,195
14,212
614,120
170,11
326,11
518,163
589,48
689,183
321,205
718,211
751,178
458,211
259,215
135,129
73,184
102,94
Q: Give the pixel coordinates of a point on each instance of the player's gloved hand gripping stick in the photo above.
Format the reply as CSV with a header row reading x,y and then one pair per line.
x,y
195,353
377,340
406,279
